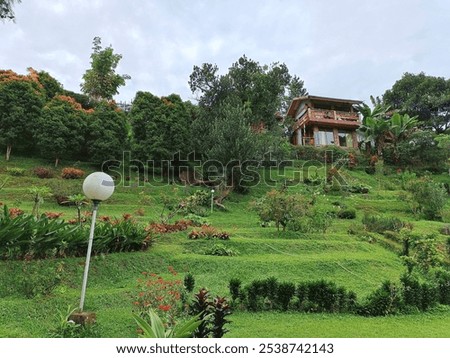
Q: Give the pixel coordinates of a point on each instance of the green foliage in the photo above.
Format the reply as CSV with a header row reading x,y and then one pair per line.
x,y
107,133
156,328
38,195
69,329
26,236
384,301
285,292
20,107
15,171
51,86
161,127
381,224
235,288
420,151
420,296
197,220
347,214
443,284
189,282
264,90
427,97
32,279
428,197
59,132
220,250
101,81
281,208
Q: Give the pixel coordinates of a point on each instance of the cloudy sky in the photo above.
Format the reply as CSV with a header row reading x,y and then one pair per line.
x,y
346,48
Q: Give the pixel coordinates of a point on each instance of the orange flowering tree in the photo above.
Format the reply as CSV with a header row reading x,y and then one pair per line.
x,y
21,101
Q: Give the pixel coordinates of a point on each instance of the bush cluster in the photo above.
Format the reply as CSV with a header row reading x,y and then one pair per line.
x,y
325,296
314,296
381,224
15,171
209,233
57,238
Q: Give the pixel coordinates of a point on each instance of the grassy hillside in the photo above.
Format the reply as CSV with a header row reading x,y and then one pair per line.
x,y
357,262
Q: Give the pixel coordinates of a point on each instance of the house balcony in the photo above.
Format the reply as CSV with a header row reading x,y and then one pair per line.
x,y
329,118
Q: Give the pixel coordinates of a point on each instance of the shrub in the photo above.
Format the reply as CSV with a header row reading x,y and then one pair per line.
x,y
282,208
381,224
197,220
43,173
285,292
443,285
220,250
235,288
189,282
429,197
418,295
384,301
72,173
347,214
208,233
51,215
15,171
69,329
221,309
36,279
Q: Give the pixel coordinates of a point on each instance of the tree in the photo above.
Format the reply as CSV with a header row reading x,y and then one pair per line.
x,y
51,86
21,101
60,130
400,128
6,9
264,90
107,135
161,126
426,97
101,81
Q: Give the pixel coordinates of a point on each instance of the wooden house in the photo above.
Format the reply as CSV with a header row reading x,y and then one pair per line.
x,y
324,121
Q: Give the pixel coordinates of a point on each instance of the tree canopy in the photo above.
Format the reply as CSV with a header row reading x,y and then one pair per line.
x,y
426,97
263,89
7,10
101,82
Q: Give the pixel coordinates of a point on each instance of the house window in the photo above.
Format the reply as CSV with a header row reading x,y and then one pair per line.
x,y
323,137
345,139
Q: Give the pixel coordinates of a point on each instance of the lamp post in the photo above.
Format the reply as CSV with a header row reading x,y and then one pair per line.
x,y
98,187
212,200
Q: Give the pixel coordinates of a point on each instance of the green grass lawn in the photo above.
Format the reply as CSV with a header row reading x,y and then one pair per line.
x,y
351,261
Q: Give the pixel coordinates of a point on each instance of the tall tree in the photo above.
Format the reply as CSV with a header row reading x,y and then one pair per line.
x,y
21,101
426,97
59,132
101,82
260,88
107,135
51,86
6,9
161,126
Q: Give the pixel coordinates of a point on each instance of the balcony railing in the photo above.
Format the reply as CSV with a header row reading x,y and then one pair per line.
x,y
318,114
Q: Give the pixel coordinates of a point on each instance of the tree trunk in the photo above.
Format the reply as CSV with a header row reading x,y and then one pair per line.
x,y
56,162
8,151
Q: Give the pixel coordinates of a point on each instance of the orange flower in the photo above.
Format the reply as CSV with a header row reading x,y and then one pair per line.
x,y
165,308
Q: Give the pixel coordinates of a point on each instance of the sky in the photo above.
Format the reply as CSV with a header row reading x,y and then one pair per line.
x,y
346,49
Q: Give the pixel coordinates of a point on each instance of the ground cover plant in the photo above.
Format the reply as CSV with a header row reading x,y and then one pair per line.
x,y
347,256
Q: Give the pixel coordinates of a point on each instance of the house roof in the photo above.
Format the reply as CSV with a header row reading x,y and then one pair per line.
x,y
298,100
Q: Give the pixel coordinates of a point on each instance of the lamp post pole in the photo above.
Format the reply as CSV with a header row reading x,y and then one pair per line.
x,y
212,200
88,255
98,187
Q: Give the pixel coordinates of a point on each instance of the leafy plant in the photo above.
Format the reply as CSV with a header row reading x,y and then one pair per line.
x,y
347,214
38,194
189,282
156,328
15,171
69,329
381,224
220,250
429,197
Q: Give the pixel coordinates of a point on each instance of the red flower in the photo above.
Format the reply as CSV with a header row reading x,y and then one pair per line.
x,y
165,308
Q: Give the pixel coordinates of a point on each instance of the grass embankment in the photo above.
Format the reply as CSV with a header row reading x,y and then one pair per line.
x,y
352,261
